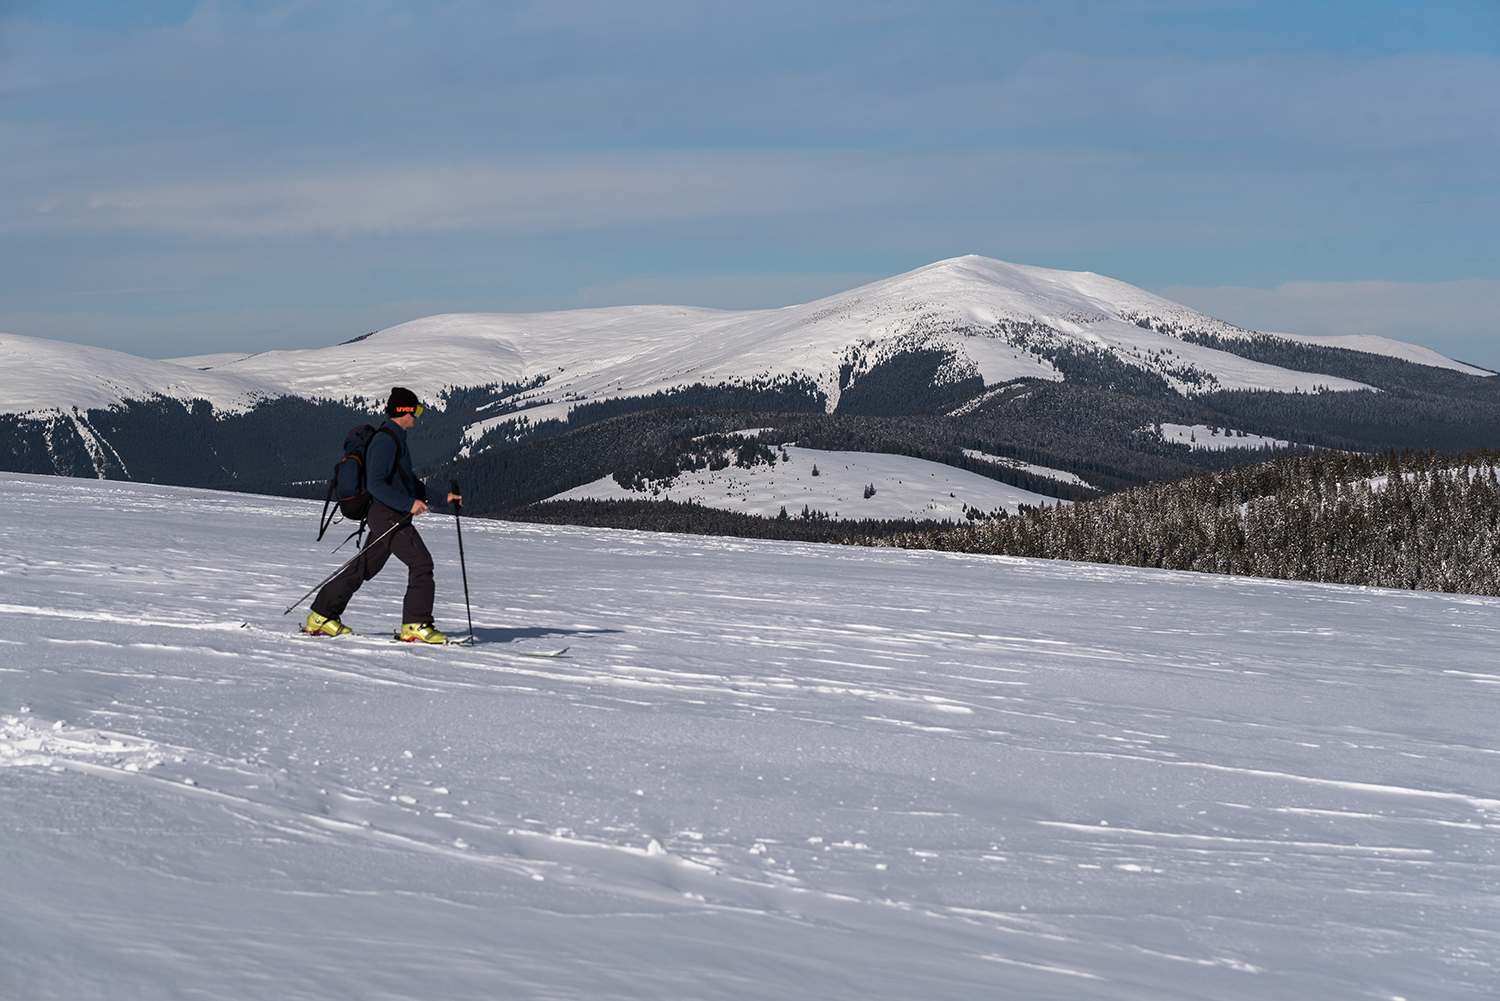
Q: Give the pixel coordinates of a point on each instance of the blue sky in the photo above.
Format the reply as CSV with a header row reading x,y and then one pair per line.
x,y
180,178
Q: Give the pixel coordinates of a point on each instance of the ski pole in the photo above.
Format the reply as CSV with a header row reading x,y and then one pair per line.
x,y
457,507
325,580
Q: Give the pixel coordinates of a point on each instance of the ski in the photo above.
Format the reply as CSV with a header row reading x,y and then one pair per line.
x,y
489,648
465,644
544,654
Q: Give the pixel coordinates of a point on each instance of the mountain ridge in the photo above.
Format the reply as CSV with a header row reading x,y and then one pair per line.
x,y
976,309
944,340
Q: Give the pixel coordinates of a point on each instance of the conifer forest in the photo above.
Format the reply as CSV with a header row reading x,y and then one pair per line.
x,y
1415,520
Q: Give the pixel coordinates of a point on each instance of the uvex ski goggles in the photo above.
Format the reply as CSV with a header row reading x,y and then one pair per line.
x,y
414,411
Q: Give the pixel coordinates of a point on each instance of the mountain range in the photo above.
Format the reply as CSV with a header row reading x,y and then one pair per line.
x,y
1069,371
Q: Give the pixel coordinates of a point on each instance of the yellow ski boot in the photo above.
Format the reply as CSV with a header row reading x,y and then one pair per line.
x,y
421,632
323,626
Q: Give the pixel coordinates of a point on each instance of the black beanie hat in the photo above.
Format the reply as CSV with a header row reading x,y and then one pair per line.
x,y
402,401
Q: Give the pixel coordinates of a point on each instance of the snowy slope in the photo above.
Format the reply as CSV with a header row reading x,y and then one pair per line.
x,y
904,488
43,375
765,770
1061,476
984,316
1212,439
1377,345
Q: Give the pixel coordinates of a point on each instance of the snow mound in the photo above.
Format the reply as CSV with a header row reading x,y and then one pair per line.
x,y
24,741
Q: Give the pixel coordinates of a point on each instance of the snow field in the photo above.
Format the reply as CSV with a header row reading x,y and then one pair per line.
x,y
1214,439
905,487
1044,471
765,770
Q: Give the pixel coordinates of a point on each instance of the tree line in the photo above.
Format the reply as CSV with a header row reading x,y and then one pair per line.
x,y
1416,519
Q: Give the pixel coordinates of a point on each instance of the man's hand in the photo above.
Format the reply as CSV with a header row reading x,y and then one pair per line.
x,y
455,499
418,507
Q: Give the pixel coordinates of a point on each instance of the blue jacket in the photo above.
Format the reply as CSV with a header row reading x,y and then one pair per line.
x,y
388,471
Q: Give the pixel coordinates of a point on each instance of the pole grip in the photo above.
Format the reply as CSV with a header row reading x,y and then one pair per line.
x,y
453,489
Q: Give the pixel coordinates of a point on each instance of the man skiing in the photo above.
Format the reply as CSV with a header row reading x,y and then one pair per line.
x,y
396,496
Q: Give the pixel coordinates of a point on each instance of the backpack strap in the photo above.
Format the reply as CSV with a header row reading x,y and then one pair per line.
x,y
360,531
326,519
396,466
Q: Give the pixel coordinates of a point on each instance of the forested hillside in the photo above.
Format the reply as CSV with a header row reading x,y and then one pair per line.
x,y
1419,520
1101,436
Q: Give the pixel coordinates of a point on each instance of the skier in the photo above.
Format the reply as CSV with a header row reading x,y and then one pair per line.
x,y
396,495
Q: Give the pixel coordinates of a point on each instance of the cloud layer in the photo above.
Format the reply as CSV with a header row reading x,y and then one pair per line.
x,y
229,159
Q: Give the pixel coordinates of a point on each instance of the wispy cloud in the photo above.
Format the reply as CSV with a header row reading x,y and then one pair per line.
x,y
592,191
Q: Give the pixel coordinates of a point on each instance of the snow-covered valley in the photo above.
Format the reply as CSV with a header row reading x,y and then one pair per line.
x,y
763,770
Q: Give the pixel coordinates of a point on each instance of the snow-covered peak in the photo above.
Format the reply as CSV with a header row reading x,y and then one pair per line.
x,y
992,320
983,291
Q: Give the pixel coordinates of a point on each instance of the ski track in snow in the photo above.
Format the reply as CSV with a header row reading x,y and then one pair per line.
x,y
763,770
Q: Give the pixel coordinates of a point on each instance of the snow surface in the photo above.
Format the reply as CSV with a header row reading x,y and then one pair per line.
x,y
960,306
1213,439
764,770
905,487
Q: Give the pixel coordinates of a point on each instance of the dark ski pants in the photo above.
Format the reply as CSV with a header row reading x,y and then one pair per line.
x,y
407,546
